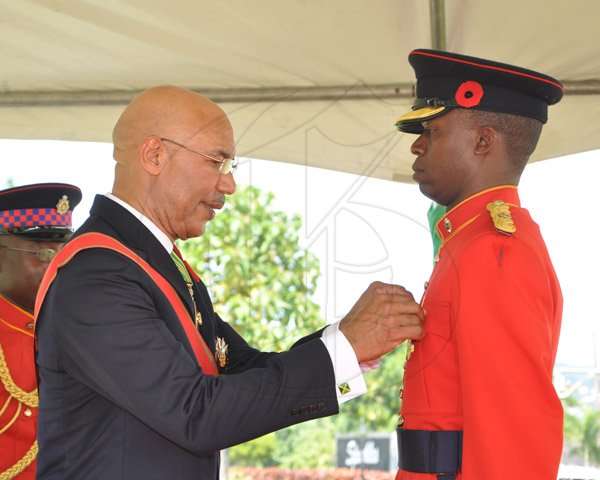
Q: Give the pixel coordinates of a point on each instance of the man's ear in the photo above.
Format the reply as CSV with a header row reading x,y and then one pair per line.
x,y
153,155
486,137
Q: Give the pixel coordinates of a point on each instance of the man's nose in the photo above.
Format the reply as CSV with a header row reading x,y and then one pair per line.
x,y
226,184
418,146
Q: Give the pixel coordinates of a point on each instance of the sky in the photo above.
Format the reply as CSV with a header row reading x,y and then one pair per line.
x,y
364,229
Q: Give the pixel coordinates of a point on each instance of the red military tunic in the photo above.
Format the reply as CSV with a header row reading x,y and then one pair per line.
x,y
493,318
18,393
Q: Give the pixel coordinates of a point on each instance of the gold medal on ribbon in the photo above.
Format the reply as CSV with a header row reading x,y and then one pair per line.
x,y
500,213
62,206
221,352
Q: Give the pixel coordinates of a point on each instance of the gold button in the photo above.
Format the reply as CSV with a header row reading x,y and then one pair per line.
x,y
27,412
426,285
447,225
29,326
401,393
400,420
198,318
412,347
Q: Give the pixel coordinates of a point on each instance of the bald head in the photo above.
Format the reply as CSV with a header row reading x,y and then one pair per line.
x,y
165,111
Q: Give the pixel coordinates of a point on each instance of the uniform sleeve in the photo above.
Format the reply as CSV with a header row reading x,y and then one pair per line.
x,y
102,315
505,327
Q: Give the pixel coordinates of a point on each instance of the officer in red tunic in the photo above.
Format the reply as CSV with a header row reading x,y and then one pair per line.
x,y
478,401
35,221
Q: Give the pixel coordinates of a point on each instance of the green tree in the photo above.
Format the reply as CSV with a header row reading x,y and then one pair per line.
x,y
582,430
260,279
307,445
261,282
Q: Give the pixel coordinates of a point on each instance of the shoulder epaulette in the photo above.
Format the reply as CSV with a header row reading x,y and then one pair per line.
x,y
500,213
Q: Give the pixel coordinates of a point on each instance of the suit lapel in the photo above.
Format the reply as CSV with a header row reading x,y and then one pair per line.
x,y
136,236
204,304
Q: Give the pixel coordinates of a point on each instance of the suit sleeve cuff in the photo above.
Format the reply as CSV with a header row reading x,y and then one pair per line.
x,y
349,380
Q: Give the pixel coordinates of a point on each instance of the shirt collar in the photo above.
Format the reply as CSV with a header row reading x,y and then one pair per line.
x,y
149,224
469,209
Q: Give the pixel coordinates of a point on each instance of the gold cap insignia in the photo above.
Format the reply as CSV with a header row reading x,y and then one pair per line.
x,y
221,351
62,206
500,213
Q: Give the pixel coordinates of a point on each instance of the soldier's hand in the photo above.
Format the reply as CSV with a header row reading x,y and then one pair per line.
x,y
384,316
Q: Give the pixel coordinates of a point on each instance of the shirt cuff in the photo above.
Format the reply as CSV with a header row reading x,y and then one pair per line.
x,y
349,380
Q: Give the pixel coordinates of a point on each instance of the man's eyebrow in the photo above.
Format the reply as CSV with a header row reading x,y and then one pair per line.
x,y
223,153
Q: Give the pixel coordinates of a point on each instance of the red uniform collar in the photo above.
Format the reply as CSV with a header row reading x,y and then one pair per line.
x,y
15,317
469,209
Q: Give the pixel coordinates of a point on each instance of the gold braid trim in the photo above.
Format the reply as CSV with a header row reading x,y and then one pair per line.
x,y
13,419
22,464
28,398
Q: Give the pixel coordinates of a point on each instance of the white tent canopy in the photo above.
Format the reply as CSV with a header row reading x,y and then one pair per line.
x,y
304,81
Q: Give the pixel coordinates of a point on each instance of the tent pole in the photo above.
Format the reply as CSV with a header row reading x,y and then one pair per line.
x,y
247,95
437,18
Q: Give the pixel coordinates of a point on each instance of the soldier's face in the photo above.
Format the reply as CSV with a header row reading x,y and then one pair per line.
x,y
21,272
445,163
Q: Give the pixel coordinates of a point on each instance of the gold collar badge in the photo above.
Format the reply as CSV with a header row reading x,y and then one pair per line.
x,y
221,351
500,213
62,206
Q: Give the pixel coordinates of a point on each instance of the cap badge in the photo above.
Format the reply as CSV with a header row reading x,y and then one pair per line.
x,y
62,206
221,351
500,213
469,94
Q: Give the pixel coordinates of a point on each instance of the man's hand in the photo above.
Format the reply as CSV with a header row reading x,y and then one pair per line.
x,y
384,316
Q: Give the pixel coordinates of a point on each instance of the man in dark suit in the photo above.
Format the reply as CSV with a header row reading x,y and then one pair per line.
x,y
139,377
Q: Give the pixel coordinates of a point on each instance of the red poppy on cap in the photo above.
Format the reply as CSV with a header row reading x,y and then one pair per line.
x,y
469,94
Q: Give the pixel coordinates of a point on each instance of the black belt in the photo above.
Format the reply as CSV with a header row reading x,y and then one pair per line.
x,y
423,451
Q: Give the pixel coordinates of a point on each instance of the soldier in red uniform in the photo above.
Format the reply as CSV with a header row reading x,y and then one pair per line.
x,y
478,401
35,221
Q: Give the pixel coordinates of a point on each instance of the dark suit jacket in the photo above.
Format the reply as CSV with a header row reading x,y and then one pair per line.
x,y
121,393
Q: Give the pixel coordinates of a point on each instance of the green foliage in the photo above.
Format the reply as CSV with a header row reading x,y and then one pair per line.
x,y
257,453
260,279
571,425
307,445
582,431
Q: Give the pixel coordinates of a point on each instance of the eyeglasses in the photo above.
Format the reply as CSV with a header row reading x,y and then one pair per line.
x,y
43,254
227,165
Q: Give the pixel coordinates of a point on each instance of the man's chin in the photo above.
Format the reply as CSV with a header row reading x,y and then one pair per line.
x,y
428,191
194,230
